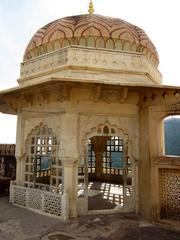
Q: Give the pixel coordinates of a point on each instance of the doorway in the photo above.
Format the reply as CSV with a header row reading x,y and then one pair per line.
x,y
110,173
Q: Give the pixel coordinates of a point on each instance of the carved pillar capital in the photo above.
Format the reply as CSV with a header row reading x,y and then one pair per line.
x,y
69,161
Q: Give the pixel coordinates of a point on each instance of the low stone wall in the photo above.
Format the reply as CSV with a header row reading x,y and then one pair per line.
x,y
7,149
43,202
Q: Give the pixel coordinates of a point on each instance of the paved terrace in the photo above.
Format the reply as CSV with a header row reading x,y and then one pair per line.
x,y
21,224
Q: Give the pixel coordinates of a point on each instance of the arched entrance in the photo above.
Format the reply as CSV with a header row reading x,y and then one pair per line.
x,y
107,181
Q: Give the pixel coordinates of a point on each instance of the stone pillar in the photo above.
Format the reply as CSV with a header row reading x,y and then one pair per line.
x,y
70,184
70,155
99,165
19,151
99,144
144,165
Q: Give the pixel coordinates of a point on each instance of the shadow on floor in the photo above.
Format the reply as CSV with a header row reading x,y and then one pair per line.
x,y
104,195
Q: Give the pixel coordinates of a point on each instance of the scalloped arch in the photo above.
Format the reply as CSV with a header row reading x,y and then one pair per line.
x,y
36,129
113,130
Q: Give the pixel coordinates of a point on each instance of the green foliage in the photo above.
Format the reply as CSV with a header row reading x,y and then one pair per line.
x,y
172,136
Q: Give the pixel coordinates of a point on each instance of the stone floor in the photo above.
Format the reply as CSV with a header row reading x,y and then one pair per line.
x,y
104,195
21,224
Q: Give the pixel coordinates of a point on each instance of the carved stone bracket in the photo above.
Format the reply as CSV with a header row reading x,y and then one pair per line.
x,y
124,94
28,99
43,96
97,93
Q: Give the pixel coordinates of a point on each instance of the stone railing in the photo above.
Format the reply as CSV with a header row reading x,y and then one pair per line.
x,y
7,149
43,202
44,187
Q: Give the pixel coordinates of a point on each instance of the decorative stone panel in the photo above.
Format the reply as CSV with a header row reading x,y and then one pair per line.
x,y
52,204
34,200
19,196
170,193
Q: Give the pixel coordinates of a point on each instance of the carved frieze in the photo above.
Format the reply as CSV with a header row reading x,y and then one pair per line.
x,y
175,107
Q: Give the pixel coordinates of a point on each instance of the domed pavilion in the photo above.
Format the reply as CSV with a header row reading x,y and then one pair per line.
x,y
90,105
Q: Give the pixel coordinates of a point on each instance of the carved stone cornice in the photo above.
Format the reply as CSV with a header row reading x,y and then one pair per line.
x,y
169,161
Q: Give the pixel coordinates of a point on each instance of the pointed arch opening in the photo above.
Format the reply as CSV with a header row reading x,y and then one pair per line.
x,y
107,178
43,169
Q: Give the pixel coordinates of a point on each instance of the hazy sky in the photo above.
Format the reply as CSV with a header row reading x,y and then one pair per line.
x,y
20,19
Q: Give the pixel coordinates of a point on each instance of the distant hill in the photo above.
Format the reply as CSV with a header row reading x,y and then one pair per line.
x,y
172,136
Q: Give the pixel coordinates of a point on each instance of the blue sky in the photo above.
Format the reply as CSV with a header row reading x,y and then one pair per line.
x,y
20,19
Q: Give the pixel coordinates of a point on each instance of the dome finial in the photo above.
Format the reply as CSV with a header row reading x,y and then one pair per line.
x,y
91,7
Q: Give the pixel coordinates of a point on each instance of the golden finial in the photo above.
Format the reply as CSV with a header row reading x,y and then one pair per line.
x,y
91,7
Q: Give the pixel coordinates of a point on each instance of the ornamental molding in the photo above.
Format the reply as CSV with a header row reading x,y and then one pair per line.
x,y
168,161
175,107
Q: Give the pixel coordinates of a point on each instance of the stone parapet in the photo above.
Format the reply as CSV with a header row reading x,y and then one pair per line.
x,y
7,149
118,64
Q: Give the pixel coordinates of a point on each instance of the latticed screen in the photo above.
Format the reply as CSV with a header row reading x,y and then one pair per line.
x,y
41,148
114,161
113,156
170,193
42,165
91,158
